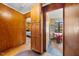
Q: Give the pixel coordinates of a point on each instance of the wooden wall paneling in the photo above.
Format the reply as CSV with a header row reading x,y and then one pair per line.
x,y
33,36
12,28
38,29
71,29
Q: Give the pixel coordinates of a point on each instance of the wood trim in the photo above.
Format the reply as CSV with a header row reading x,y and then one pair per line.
x,y
63,29
27,15
53,6
48,8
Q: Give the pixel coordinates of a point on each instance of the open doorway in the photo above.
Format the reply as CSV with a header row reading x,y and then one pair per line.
x,y
54,32
28,33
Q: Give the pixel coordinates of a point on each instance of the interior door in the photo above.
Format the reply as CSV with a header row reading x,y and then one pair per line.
x,y
71,29
37,29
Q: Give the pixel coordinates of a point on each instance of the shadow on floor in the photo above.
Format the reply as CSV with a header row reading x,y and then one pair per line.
x,y
28,53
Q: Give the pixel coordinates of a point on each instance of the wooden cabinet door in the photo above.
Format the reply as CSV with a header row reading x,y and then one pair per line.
x,y
33,36
36,28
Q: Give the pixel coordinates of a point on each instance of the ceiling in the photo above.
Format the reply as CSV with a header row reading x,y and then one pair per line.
x,y
22,7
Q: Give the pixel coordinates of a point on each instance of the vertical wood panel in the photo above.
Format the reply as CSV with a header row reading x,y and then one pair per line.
x,y
12,28
37,31
71,29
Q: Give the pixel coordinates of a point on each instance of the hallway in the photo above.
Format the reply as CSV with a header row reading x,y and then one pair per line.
x,y
52,29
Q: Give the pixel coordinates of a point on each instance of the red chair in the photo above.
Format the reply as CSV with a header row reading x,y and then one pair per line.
x,y
58,37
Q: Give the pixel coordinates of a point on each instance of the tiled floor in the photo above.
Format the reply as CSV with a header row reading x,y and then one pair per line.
x,y
28,43
56,45
55,49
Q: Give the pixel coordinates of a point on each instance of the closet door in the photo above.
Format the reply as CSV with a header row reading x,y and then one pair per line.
x,y
71,29
37,38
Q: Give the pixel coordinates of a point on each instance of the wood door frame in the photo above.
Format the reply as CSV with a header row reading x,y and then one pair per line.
x,y
26,15
48,8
